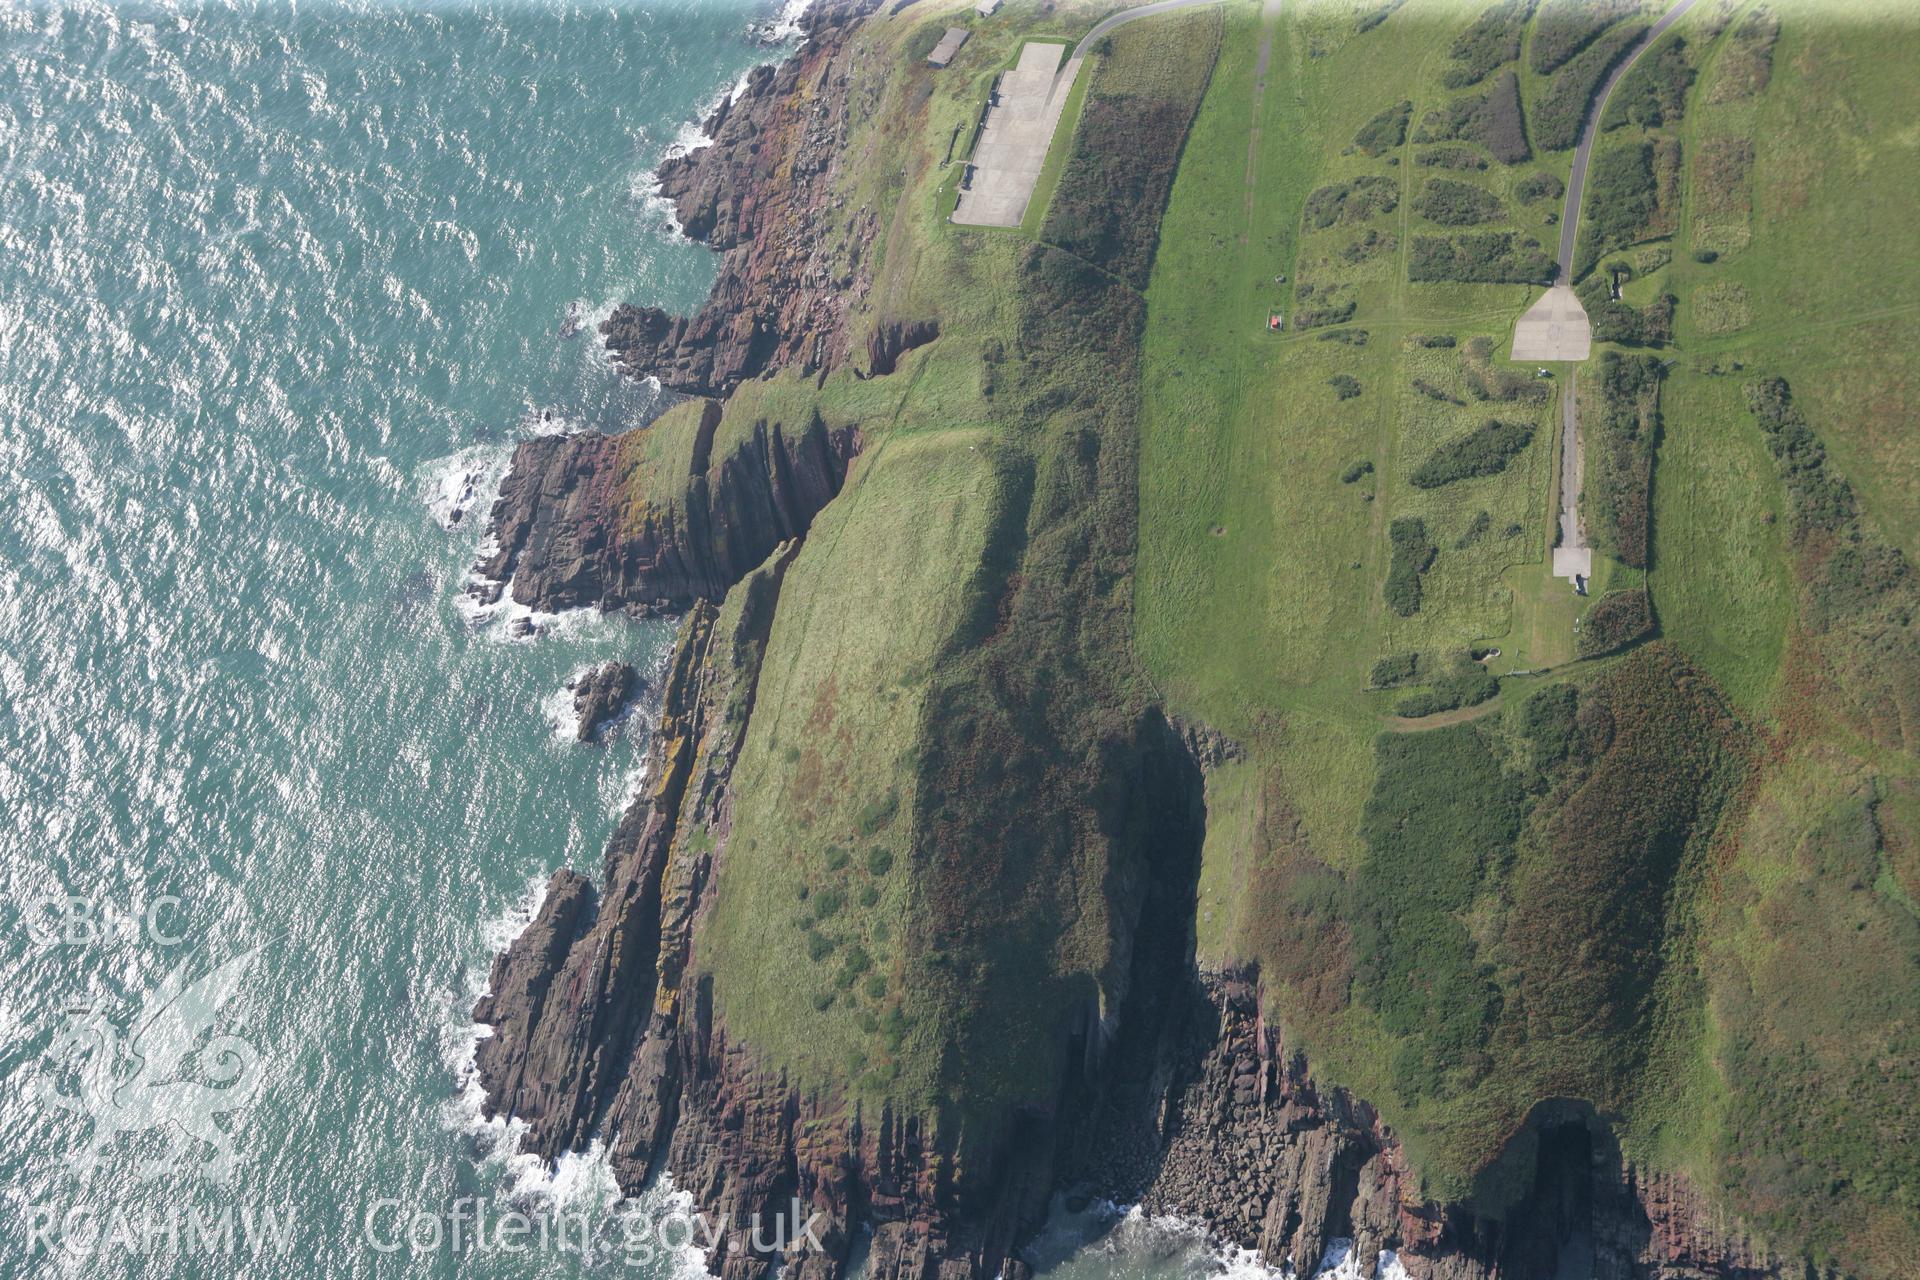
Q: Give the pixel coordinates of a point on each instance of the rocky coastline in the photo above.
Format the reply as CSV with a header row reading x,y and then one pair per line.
x,y
793,264
603,1025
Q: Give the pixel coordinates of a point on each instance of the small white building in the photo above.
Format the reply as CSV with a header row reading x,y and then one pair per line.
x,y
987,8
949,45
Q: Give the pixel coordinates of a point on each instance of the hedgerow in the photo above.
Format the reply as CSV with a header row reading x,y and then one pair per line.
x,y
1626,431
1484,452
1481,257
1822,500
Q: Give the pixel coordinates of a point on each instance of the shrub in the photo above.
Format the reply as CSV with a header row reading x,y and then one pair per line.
x,y
1616,321
1412,556
1492,41
1626,430
867,896
1345,386
1547,721
818,947
1491,119
1433,340
1369,245
1821,500
1561,111
1655,91
1565,27
1385,131
876,987
1352,337
1432,392
1481,257
1443,812
879,862
1450,157
1397,668
1488,381
1476,530
1468,685
1705,257
836,858
1315,317
827,903
1354,201
1484,452
1373,18
1630,193
1616,620
1364,467
1457,204
1536,187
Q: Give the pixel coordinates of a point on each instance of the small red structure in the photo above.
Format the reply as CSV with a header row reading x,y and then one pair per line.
x,y
1275,322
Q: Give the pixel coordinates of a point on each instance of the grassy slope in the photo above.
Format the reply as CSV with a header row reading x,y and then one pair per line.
x,y
838,933
1251,617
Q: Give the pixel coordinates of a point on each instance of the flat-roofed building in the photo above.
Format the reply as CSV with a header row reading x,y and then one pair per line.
x,y
949,45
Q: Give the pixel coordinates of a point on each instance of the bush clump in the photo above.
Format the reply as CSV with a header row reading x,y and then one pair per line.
x,y
1354,201
1616,620
1492,119
1565,27
1488,381
1371,244
1457,204
1412,556
1396,668
1619,492
1547,721
1492,41
1632,191
1468,685
1484,452
1316,317
1352,337
1353,473
1432,392
1385,131
1562,109
1344,385
1655,91
1822,501
1536,187
1476,530
1450,157
1616,321
1434,340
1481,257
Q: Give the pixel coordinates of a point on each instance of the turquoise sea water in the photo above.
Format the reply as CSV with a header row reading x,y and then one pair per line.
x,y
279,285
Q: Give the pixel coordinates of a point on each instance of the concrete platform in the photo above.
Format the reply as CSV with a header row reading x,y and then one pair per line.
x,y
1554,328
1013,144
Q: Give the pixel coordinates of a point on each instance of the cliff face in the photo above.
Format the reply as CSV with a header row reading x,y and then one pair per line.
x,y
568,532
763,195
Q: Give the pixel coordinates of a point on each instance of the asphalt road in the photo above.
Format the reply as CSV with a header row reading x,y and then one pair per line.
x,y
1577,184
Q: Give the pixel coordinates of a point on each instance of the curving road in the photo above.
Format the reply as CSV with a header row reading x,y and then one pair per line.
x,y
1577,183
1106,25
